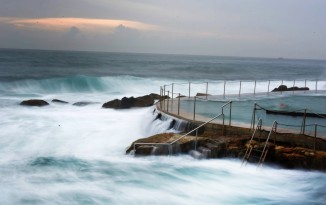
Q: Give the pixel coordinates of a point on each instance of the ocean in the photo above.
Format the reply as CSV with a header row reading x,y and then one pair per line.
x,y
66,154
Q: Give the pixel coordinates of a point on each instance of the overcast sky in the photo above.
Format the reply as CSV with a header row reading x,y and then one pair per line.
x,y
257,28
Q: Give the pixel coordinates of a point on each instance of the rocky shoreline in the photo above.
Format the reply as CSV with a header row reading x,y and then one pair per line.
x,y
290,151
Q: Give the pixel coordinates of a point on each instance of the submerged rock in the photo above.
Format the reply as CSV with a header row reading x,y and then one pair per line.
x,y
59,101
84,103
34,102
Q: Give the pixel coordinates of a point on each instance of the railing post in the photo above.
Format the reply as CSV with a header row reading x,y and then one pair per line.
x,y
255,88
282,84
223,115
161,97
194,107
305,85
164,103
303,127
179,105
189,89
168,101
240,89
206,89
269,82
275,132
254,117
230,113
224,89
196,140
164,90
172,94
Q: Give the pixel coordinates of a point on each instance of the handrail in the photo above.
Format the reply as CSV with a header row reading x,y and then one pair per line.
x,y
217,116
258,127
274,126
302,82
171,143
195,129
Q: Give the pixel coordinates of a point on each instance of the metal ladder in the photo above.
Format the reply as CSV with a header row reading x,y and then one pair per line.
x,y
254,152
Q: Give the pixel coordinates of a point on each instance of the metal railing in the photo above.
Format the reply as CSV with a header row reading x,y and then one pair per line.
x,y
211,85
302,127
188,133
167,104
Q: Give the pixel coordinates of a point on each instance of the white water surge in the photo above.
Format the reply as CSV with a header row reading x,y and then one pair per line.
x,y
64,154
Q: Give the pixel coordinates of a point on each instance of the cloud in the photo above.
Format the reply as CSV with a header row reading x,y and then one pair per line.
x,y
85,24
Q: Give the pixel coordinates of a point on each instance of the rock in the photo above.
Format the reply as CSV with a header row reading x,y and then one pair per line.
x,y
283,88
206,153
144,150
144,101
297,88
195,154
59,101
34,102
83,103
280,88
125,103
202,94
184,145
158,97
112,104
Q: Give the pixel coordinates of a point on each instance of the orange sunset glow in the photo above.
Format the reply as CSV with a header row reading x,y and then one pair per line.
x,y
61,24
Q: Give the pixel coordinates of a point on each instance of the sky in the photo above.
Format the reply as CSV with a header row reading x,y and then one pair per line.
x,y
248,28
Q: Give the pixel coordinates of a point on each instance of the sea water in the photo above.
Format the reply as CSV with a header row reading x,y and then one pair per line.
x,y
65,154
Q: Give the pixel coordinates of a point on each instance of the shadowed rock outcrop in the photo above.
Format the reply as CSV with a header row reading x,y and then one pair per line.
x,y
84,103
125,103
34,102
283,88
59,101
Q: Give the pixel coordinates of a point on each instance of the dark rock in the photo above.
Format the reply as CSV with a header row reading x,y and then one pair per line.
x,y
59,101
83,103
144,150
297,88
283,88
125,103
34,102
112,104
144,101
202,94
